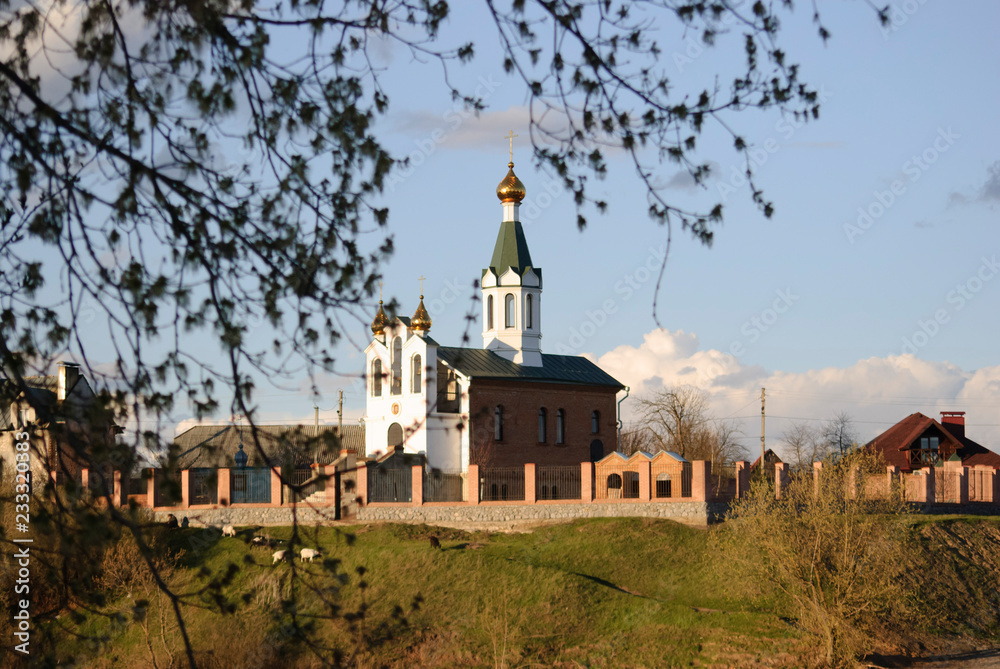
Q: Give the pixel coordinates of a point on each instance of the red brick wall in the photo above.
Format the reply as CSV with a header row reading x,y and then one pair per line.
x,y
520,402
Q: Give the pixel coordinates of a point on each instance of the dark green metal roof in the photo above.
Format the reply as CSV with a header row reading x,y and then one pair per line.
x,y
511,249
483,364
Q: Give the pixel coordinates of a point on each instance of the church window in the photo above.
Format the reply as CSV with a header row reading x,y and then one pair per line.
x,y
595,422
542,426
489,312
560,427
510,318
397,367
417,375
498,423
376,378
528,316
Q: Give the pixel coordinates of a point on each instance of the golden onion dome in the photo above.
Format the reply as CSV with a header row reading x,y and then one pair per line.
x,y
511,189
421,320
381,321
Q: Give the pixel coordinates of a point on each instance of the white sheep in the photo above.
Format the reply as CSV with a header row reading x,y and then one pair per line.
x,y
309,554
228,531
258,542
279,556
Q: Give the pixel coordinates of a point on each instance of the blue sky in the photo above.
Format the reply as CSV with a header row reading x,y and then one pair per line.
x,y
879,316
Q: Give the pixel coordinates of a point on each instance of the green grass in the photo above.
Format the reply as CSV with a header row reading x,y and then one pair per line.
x,y
595,593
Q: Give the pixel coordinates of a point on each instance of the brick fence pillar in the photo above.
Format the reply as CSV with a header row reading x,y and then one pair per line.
x,y
780,478
417,485
586,481
151,485
121,490
817,474
742,478
222,492
701,471
645,472
185,488
84,482
362,484
530,495
472,484
275,486
891,475
963,485
930,486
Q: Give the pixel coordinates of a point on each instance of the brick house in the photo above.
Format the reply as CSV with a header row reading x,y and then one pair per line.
x,y
60,413
919,441
504,404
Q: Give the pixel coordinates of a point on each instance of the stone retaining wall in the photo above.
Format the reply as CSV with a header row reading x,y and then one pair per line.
x,y
690,513
264,516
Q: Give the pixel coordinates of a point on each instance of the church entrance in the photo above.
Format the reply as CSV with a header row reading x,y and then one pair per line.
x,y
395,436
596,450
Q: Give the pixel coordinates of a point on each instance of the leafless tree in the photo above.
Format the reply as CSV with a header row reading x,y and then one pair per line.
x,y
839,435
676,417
804,445
636,438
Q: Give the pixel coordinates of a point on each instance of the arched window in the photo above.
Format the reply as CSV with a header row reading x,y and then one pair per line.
x,y
396,387
560,426
498,423
595,422
614,486
417,374
489,312
529,303
542,426
376,378
395,436
510,315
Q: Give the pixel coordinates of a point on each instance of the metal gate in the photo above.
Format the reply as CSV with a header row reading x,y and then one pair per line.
x,y
251,485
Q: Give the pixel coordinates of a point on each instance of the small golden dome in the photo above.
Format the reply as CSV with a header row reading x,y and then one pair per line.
x,y
381,321
421,320
511,189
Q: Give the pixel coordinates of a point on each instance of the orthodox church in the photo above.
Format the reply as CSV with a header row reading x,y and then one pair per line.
x,y
505,404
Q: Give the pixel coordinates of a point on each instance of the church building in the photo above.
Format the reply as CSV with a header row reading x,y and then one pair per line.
x,y
504,404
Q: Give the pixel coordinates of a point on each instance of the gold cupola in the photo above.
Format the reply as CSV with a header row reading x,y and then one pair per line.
x,y
421,321
511,189
381,321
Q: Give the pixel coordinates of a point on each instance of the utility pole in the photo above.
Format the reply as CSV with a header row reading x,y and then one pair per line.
x,y
340,414
762,430
316,427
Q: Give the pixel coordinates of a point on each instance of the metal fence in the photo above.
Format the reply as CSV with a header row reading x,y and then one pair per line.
x,y
203,486
168,488
390,485
444,485
616,483
299,476
723,482
501,484
250,485
553,482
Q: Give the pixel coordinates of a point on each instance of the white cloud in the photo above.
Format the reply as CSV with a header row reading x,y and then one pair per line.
x,y
875,392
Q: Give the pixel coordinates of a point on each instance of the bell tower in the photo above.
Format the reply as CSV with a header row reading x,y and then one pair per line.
x,y
511,285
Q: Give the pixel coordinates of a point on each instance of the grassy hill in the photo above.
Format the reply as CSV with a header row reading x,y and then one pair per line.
x,y
592,593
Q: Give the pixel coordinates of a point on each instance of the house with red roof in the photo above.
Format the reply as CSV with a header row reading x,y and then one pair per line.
x,y
919,441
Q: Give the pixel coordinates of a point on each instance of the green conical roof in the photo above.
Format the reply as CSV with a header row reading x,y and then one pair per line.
x,y
511,249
